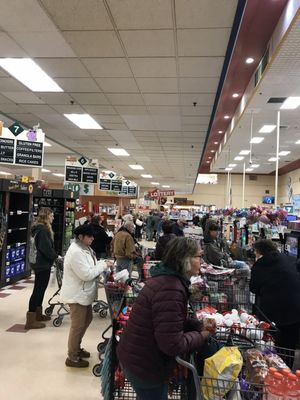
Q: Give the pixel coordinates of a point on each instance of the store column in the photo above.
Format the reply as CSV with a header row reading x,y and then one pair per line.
x,y
36,174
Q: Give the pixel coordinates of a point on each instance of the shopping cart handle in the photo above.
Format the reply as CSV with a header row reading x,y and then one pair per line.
x,y
196,379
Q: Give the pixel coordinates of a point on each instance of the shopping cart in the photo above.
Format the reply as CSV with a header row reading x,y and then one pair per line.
x,y
62,308
146,268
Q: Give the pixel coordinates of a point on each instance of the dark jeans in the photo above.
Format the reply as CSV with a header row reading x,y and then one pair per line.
x,y
39,289
156,393
288,338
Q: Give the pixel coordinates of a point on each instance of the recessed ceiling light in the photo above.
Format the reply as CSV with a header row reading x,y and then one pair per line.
x,y
244,152
298,142
46,144
5,173
291,103
284,153
60,175
207,162
83,121
226,116
238,158
216,142
135,166
119,152
256,139
228,169
165,186
254,165
232,165
155,183
273,159
249,60
220,131
30,74
209,157
212,151
45,170
267,128
235,95
249,169
148,176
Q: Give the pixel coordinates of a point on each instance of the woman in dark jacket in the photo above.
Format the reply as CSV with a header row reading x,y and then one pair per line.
x,y
159,329
276,282
101,238
45,256
167,228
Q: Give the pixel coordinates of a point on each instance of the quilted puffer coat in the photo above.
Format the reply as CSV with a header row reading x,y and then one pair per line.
x,y
159,328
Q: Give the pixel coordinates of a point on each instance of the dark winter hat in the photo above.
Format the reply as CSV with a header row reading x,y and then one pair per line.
x,y
86,229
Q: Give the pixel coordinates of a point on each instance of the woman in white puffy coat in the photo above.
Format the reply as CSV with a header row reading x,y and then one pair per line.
x,y
79,290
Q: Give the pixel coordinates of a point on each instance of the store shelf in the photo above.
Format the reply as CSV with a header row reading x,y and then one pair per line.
x,y
18,212
11,230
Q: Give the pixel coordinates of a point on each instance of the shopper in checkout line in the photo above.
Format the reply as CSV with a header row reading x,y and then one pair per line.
x,y
43,237
159,328
168,235
79,290
276,282
179,226
101,238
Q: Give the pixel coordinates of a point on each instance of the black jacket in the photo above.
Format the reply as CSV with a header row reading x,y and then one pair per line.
x,y
216,252
275,279
161,245
46,254
101,240
177,230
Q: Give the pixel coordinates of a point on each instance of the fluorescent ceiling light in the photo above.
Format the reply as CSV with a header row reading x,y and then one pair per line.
x,y
228,169
256,139
148,176
46,144
5,173
232,165
272,159
30,74
60,175
135,166
298,142
220,131
249,169
165,186
284,153
226,116
290,103
267,128
244,152
216,142
212,151
238,158
45,170
207,162
155,183
254,165
235,95
83,121
118,151
249,60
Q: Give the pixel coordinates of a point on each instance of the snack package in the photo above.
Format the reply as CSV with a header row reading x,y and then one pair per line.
x,y
256,366
275,361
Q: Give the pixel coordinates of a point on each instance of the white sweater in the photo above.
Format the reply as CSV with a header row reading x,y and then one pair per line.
x,y
80,272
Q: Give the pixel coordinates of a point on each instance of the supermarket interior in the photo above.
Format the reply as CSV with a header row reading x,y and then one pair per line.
x,y
150,199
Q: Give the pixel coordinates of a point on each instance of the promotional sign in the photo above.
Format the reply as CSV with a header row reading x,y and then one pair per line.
x,y
73,174
22,147
155,194
81,170
90,175
87,189
117,184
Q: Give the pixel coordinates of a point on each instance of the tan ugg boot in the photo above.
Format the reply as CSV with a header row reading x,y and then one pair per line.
x,y
32,323
40,316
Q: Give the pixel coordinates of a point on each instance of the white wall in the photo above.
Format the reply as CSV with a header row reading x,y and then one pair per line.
x,y
283,185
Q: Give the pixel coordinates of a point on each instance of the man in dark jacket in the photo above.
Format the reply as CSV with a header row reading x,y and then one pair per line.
x,y
276,282
159,329
101,238
167,228
216,251
179,226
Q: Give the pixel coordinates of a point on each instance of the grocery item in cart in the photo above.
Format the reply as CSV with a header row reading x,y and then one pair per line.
x,y
257,368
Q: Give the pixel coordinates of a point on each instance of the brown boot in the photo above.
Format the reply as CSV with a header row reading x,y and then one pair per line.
x,y
40,316
76,363
32,323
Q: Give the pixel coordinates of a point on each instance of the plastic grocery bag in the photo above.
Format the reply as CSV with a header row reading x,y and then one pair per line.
x,y
220,372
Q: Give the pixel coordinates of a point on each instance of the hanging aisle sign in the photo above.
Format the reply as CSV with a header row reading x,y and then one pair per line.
x,y
116,184
81,170
22,147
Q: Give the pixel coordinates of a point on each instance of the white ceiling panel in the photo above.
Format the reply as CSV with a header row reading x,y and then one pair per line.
x,y
153,67
43,44
8,47
23,97
132,110
198,110
158,85
63,67
166,99
78,14
202,99
118,85
11,108
55,98
94,43
68,108
23,118
195,120
107,67
11,85
125,99
200,66
78,84
90,98
109,125
164,110
139,122
115,119
141,14
106,110
203,42
165,123
152,43
198,85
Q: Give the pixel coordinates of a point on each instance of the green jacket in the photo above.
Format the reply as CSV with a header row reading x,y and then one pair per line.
x,y
46,254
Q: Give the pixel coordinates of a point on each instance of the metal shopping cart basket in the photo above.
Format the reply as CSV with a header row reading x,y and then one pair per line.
x,y
54,300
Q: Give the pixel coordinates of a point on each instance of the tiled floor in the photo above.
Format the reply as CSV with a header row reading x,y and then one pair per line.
x,y
32,362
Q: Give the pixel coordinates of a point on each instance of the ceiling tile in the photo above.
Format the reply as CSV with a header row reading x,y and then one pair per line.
x,y
109,110
78,84
141,14
68,108
152,43
132,110
203,42
94,43
115,119
158,85
78,14
4,100
195,120
12,108
107,67
198,85
118,85
62,67
202,99
11,85
139,122
205,13
111,126
200,66
89,98
153,67
125,99
8,47
152,99
23,97
198,110
163,122
39,109
43,44
55,98
164,110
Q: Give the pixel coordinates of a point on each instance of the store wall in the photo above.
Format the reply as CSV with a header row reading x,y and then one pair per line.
x,y
286,183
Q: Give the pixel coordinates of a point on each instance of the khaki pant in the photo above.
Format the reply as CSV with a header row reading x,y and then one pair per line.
x,y
81,317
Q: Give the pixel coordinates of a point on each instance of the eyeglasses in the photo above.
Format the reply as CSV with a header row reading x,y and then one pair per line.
x,y
200,256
